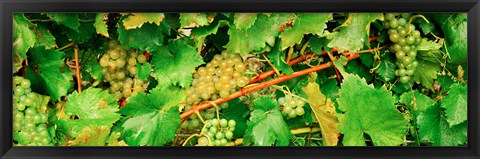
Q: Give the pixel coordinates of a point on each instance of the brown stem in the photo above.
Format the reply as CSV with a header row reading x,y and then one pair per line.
x,y
205,49
79,80
66,46
245,91
337,73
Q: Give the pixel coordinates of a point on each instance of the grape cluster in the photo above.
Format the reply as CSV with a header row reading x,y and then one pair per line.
x,y
292,106
119,69
220,132
220,77
405,41
29,123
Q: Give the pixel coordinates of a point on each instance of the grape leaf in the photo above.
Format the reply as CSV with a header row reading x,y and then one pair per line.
x,y
44,37
92,103
69,20
359,69
24,38
365,113
195,19
175,63
304,23
95,70
95,110
84,32
144,70
426,27
136,20
92,136
258,35
17,61
454,27
101,25
445,81
417,102
201,33
52,77
353,34
433,127
149,37
243,21
325,112
455,104
426,73
386,70
155,118
367,60
266,126
427,45
114,141
318,44
238,111
277,57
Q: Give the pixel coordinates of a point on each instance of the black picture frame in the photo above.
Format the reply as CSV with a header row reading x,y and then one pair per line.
x,y
10,6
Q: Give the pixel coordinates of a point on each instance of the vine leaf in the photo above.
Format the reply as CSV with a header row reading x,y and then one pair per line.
x,y
47,73
278,59
243,21
433,127
258,35
454,27
95,109
455,104
153,118
144,70
364,113
84,33
266,126
195,19
136,20
175,63
416,101
201,33
92,136
44,37
239,112
318,44
426,74
324,112
95,70
428,45
24,38
386,70
149,37
101,24
304,23
353,34
66,19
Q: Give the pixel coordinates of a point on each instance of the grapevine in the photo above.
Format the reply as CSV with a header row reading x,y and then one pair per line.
x,y
239,79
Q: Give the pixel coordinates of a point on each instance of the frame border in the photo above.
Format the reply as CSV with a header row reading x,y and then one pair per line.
x,y
10,6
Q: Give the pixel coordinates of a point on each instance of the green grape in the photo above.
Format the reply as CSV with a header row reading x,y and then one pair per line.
x,y
231,123
404,79
219,135
223,123
292,114
25,84
229,134
394,37
281,100
203,141
299,111
287,109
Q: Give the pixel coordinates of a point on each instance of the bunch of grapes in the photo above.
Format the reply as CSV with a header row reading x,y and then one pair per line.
x,y
29,123
120,70
220,77
220,132
405,41
292,106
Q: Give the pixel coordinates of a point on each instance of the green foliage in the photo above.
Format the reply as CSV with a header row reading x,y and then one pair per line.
x,y
149,37
266,126
304,23
24,38
353,34
175,63
47,73
153,117
364,113
455,104
365,105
